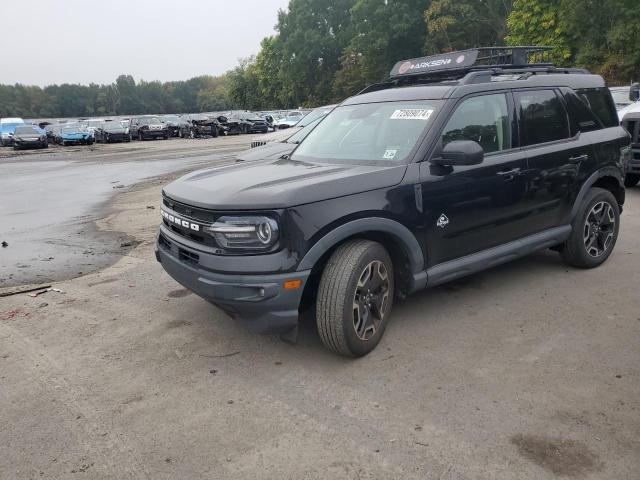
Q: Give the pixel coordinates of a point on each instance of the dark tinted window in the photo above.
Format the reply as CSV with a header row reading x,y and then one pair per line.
x,y
583,118
542,117
601,104
483,119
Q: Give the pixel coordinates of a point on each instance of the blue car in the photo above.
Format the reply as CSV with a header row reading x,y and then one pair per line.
x,y
6,133
74,135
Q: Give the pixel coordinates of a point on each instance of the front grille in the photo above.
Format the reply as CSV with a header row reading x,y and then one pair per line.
x,y
258,143
190,212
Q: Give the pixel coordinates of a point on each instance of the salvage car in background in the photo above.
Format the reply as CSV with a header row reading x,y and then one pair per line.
x,y
7,127
74,135
148,127
29,136
250,122
290,119
111,132
230,126
199,126
172,122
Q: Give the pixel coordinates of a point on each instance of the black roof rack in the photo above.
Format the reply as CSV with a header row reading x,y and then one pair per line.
x,y
477,65
465,60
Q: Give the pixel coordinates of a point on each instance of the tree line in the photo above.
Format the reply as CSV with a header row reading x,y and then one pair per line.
x,y
123,97
326,50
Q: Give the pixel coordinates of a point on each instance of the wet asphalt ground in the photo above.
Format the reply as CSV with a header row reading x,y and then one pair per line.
x,y
528,371
49,200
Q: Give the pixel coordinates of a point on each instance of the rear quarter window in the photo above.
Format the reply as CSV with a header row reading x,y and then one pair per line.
x,y
601,104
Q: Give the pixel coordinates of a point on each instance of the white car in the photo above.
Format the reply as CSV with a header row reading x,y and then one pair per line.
x,y
290,119
283,134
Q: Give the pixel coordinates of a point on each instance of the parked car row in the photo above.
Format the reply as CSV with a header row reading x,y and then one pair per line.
x,y
150,127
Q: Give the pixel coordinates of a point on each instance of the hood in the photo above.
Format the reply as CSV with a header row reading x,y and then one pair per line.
x,y
28,136
266,152
633,108
278,184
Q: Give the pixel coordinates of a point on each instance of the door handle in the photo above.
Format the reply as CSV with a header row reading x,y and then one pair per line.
x,y
508,175
579,158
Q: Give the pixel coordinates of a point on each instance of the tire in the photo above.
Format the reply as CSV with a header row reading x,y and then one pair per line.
x,y
595,230
344,283
631,180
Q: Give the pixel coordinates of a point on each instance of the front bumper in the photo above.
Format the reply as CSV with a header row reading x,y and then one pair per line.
x,y
260,300
115,137
154,133
29,144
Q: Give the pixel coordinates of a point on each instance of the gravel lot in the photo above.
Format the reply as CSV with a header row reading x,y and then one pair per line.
x,y
527,371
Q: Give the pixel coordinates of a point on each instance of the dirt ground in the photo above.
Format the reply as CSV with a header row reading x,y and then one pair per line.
x,y
527,371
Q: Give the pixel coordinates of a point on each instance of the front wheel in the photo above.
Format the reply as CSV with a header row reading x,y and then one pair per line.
x,y
631,180
355,297
595,230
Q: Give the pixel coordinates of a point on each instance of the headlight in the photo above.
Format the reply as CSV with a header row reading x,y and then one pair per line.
x,y
245,233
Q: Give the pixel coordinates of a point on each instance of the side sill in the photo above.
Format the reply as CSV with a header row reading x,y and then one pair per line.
x,y
492,257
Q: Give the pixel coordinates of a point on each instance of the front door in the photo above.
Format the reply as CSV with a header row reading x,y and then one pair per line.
x,y
471,208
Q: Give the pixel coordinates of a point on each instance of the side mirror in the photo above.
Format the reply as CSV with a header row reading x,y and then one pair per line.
x,y
460,152
634,92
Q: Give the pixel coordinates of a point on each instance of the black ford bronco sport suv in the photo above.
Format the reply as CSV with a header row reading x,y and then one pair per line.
x,y
458,163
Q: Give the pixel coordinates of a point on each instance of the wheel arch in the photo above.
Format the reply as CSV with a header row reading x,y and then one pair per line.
x,y
402,245
608,178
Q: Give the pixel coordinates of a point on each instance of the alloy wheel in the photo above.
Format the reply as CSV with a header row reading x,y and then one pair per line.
x,y
371,300
599,228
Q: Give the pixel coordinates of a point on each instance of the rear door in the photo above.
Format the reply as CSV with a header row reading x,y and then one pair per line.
x,y
471,208
554,156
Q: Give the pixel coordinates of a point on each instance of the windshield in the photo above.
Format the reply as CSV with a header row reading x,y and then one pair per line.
x,y
71,130
171,119
23,130
112,126
314,115
150,121
369,132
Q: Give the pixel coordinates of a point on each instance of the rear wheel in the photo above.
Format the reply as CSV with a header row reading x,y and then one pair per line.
x,y
631,180
355,297
595,230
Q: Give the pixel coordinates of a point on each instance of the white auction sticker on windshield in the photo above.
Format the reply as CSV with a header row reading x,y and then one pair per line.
x,y
389,154
411,114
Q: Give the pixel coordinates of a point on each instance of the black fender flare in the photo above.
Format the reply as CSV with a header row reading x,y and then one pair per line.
x,y
609,171
373,224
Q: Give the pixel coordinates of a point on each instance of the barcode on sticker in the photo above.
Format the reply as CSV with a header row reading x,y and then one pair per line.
x,y
411,114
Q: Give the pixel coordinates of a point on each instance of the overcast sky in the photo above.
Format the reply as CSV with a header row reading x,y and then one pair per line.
x,y
80,41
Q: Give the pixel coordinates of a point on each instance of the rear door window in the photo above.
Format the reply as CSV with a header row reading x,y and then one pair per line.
x,y
543,117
